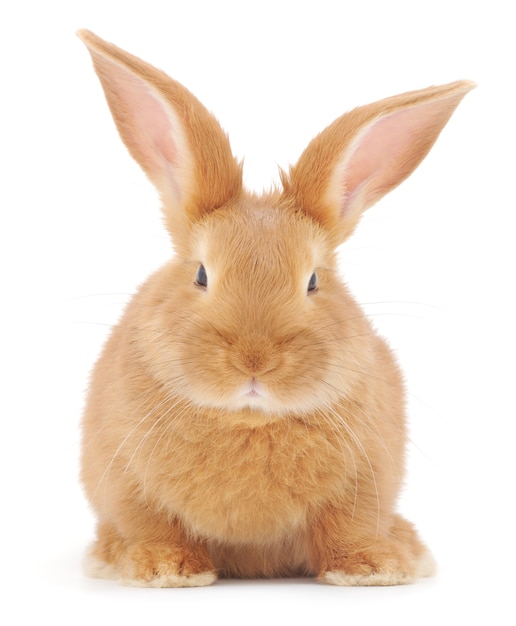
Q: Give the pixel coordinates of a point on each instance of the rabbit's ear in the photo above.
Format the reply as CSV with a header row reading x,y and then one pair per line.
x,y
177,142
366,153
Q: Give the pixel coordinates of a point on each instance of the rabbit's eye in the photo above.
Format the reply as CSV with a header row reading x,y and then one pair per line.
x,y
201,277
312,284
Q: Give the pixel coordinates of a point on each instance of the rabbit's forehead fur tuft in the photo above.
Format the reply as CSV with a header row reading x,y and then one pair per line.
x,y
259,242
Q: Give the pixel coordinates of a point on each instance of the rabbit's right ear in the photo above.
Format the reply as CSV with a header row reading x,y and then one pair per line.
x,y
177,142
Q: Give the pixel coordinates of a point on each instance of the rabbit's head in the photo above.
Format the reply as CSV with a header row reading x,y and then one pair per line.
x,y
250,315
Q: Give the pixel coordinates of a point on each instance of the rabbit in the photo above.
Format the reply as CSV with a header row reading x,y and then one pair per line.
x,y
244,419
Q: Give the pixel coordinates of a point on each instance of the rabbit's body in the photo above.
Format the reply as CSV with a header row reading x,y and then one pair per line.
x,y
244,418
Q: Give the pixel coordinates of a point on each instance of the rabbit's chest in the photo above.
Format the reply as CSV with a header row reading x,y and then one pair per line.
x,y
250,484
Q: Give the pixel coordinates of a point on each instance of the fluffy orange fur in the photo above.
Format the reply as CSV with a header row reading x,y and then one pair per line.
x,y
252,426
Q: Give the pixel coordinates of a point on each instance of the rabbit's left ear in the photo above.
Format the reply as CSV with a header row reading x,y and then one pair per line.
x,y
366,153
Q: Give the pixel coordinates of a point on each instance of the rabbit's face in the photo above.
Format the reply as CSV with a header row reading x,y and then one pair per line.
x,y
263,322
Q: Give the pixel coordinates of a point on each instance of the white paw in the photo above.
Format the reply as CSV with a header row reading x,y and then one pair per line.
x,y
375,579
425,566
173,580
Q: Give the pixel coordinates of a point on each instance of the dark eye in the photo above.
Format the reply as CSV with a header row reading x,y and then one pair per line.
x,y
312,284
201,277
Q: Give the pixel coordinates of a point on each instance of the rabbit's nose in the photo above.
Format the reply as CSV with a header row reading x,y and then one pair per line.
x,y
255,362
255,357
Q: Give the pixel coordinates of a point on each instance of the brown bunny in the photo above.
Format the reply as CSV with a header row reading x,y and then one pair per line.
x,y
244,418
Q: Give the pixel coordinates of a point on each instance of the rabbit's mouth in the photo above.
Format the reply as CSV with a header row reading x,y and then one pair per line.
x,y
254,389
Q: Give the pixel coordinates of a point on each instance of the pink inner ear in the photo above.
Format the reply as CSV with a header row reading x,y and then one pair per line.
x,y
384,154
147,125
152,128
155,121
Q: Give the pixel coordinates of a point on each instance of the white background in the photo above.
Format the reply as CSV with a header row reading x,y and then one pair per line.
x,y
433,264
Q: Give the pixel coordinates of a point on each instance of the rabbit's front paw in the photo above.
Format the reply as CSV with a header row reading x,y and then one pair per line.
x,y
158,565
378,566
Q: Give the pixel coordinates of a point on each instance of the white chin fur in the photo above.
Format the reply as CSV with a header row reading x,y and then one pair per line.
x,y
260,403
267,404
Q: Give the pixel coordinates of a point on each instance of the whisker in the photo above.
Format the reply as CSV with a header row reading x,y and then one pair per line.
x,y
149,431
105,474
357,441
